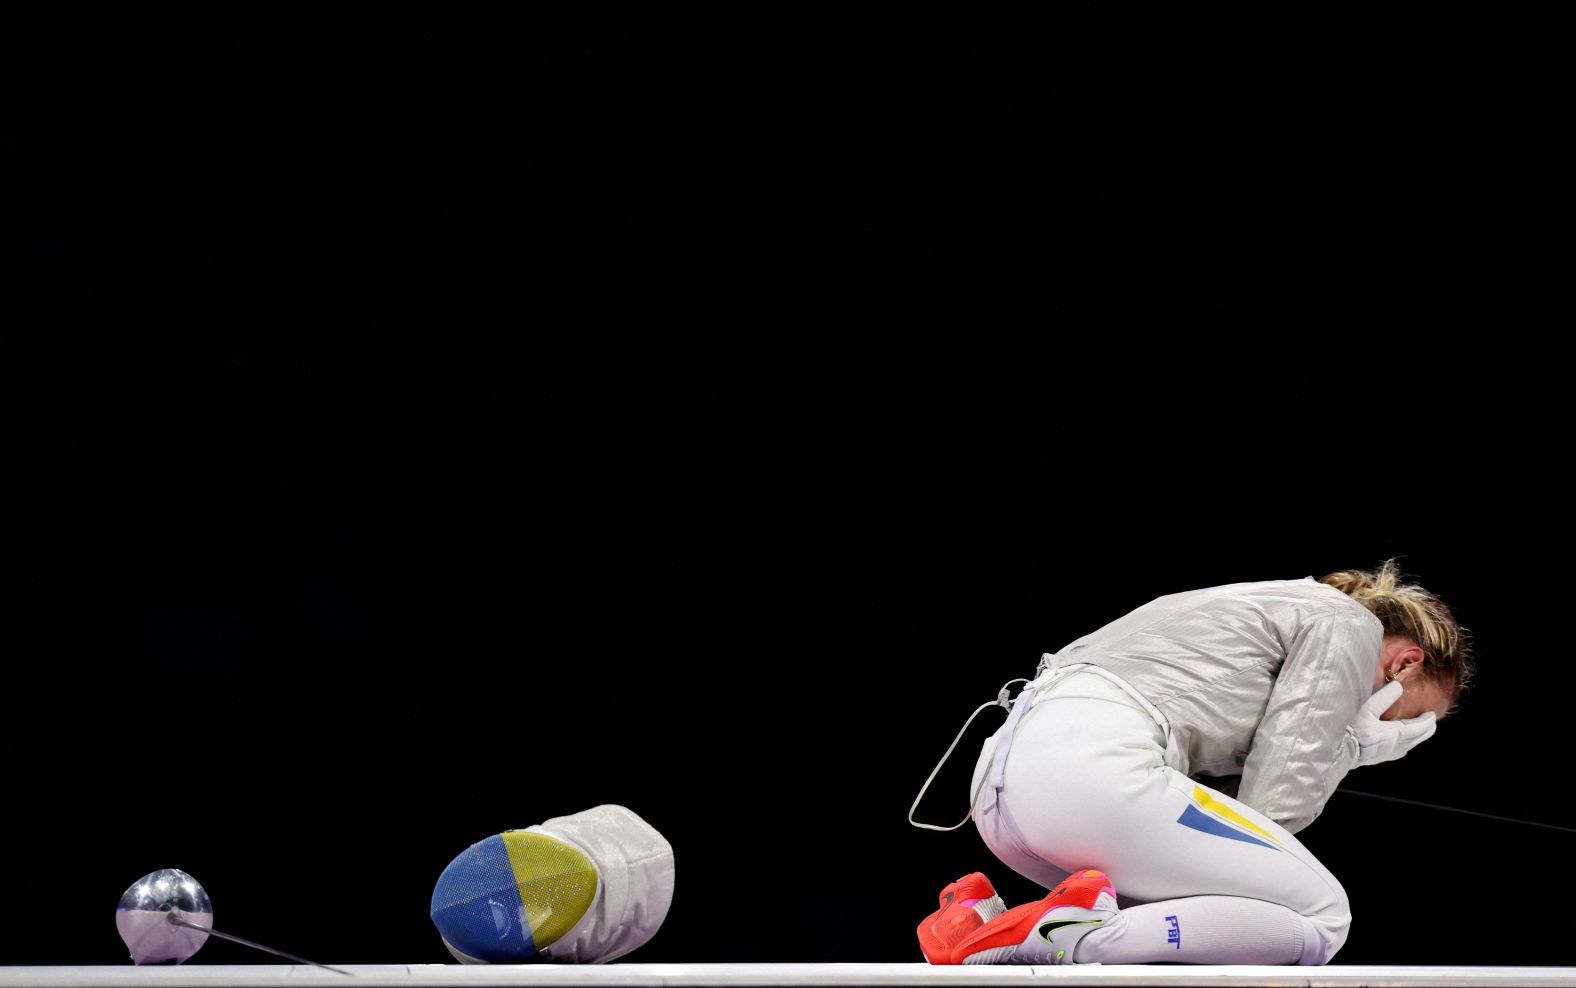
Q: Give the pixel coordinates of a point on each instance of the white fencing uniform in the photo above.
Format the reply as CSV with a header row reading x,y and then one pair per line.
x,y
1092,770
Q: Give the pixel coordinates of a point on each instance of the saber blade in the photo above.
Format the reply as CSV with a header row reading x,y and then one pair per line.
x,y
179,921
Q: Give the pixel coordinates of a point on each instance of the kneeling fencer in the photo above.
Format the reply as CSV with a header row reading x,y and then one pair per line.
x,y
1176,752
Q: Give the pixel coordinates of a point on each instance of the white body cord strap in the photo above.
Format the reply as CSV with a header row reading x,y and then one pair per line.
x,y
1000,701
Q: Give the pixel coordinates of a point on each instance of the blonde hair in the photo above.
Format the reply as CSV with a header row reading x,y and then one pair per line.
x,y
1409,611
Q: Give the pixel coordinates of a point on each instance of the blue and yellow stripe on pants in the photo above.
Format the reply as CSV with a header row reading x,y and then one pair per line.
x,y
1210,815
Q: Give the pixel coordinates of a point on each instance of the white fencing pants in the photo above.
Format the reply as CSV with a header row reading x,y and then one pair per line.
x,y
1203,878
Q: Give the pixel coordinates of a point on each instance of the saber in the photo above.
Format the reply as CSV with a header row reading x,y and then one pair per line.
x,y
152,919
178,920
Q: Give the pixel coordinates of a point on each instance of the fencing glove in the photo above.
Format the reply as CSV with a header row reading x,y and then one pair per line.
x,y
1386,740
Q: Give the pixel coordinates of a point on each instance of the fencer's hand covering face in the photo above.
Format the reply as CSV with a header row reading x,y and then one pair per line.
x,y
1418,696
1386,740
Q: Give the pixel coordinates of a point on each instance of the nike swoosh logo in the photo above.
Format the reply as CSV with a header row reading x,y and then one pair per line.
x,y
1046,929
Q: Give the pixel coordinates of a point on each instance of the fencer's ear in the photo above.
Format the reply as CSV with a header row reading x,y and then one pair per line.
x,y
1411,654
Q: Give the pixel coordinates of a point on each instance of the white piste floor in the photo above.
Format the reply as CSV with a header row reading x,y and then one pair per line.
x,y
751,975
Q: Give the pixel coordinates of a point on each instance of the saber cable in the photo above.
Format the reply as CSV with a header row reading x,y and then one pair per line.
x,y
1453,809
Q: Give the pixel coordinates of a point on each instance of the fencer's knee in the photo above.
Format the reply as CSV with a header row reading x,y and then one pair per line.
x,y
1331,927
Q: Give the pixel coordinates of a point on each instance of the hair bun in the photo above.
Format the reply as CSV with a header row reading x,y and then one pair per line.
x,y
1349,581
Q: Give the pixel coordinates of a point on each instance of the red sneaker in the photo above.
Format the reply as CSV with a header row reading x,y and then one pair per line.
x,y
966,906
1043,932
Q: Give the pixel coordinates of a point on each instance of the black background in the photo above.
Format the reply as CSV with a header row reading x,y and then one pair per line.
x,y
410,450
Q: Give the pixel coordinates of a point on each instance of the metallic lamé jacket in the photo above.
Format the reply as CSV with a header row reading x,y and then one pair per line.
x,y
1257,679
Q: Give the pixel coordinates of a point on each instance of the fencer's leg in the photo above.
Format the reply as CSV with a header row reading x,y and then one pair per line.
x,y
1087,786
1205,929
1000,837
